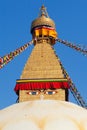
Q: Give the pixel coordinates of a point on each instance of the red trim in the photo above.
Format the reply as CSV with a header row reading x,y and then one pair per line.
x,y
40,85
44,27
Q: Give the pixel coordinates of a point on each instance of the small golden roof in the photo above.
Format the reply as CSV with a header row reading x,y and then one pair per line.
x,y
43,19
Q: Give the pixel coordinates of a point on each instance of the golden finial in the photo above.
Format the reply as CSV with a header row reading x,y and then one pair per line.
x,y
43,11
43,7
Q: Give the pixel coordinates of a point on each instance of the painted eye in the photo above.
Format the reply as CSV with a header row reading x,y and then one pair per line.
x,y
33,93
50,92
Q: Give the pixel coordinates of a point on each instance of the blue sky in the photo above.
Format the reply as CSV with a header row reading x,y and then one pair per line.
x,y
70,17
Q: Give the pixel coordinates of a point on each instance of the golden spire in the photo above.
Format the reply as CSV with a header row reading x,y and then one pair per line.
x,y
43,11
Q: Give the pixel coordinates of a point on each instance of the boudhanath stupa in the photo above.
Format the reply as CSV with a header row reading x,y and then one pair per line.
x,y
43,88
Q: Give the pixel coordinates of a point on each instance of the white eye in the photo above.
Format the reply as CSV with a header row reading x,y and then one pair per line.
x,y
30,93
54,92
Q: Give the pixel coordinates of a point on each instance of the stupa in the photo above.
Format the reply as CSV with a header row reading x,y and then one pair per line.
x,y
43,87
42,76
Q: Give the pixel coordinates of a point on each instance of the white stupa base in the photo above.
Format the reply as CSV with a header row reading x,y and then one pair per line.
x,y
43,115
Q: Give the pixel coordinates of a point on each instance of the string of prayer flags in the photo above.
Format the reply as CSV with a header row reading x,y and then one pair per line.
x,y
7,58
79,48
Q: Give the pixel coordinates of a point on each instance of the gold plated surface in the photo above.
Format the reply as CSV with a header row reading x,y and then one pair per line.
x,y
42,21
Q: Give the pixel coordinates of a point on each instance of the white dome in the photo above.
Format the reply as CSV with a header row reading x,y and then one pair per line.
x,y
43,115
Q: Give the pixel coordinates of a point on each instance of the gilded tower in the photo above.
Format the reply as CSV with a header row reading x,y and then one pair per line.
x,y
42,76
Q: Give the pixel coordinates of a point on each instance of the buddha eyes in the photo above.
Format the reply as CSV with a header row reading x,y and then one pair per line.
x,y
50,92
